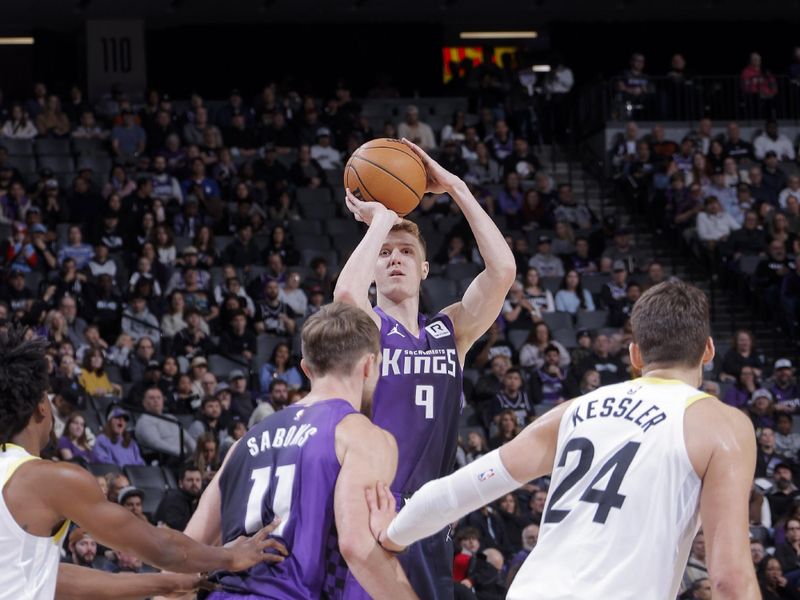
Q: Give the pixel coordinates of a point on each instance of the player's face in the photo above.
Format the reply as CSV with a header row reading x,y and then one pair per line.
x,y
401,266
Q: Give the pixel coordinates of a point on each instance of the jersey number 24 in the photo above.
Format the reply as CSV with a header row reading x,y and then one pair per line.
x,y
605,499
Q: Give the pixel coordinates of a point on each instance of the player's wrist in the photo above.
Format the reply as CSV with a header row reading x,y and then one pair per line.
x,y
388,545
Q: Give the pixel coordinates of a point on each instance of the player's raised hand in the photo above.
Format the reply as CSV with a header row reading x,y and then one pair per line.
x,y
366,212
249,551
440,180
382,509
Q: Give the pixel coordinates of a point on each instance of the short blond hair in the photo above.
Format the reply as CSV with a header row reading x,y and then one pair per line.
x,y
412,229
337,336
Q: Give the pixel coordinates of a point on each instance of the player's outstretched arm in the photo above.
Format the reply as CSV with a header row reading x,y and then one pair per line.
x,y
442,501
79,583
724,498
484,297
353,283
367,455
73,493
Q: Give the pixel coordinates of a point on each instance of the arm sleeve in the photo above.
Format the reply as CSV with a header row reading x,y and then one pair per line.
x,y
445,500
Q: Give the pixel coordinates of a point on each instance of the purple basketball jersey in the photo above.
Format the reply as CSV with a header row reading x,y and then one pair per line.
x,y
418,398
285,465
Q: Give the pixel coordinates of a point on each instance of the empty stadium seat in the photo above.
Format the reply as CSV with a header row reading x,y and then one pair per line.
x,y
52,147
18,147
101,469
88,147
440,292
460,271
309,226
59,164
312,242
557,320
145,476
342,227
517,337
591,319
221,366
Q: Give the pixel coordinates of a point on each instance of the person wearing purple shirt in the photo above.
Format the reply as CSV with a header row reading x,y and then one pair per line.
x,y
115,446
510,198
418,397
738,395
784,388
309,465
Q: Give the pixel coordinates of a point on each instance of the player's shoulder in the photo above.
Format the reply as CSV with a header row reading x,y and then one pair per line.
x,y
707,410
356,428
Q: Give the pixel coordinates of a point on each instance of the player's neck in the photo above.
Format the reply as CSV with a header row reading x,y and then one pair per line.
x,y
28,440
692,377
335,386
405,311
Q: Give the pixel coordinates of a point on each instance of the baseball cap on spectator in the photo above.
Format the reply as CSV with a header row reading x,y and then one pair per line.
x,y
51,184
199,361
189,250
783,363
16,272
128,492
119,412
323,131
221,387
582,333
236,374
782,465
761,393
619,266
153,365
38,228
77,535
85,167
35,210
544,239
412,110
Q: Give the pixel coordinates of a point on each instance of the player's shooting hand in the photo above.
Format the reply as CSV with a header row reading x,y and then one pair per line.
x,y
382,510
248,551
440,180
367,212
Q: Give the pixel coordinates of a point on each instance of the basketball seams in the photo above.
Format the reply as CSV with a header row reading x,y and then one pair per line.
x,y
377,166
360,181
404,150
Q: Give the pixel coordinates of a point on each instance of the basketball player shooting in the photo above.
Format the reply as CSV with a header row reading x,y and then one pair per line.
x,y
635,467
40,497
310,464
418,396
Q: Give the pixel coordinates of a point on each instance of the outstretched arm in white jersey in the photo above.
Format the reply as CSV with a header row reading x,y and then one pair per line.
x,y
484,297
438,503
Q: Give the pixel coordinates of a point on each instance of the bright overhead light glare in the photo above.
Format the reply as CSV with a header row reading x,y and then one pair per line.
x,y
541,68
498,35
16,41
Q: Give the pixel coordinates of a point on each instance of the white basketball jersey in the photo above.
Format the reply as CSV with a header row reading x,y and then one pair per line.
x,y
29,567
622,509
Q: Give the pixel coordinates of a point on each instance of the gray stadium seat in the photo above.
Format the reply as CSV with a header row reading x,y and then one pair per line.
x,y
566,337
221,366
312,242
594,283
88,147
308,226
551,283
440,292
342,227
748,265
18,147
59,164
591,319
145,476
460,271
102,469
25,163
557,320
52,147
517,337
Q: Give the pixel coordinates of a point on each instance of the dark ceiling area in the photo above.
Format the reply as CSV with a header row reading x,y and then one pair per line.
x,y
69,14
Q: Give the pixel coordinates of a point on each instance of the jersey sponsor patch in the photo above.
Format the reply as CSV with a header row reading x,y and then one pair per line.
x,y
438,329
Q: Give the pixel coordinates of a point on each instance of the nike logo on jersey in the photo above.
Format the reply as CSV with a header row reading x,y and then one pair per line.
x,y
395,331
438,329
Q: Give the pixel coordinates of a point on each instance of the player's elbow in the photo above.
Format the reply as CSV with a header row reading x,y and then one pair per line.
x,y
733,584
357,548
343,293
505,269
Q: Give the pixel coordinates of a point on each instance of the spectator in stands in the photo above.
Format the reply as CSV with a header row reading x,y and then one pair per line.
x,y
739,394
88,128
714,225
521,161
787,443
773,584
633,84
274,316
771,271
206,456
115,445
158,431
210,420
172,321
132,498
507,427
204,188
782,498
549,382
415,130
773,175
242,402
735,146
696,568
93,377
75,248
52,121
192,341
546,263
529,538
762,414
128,140
280,366
518,312
771,140
75,444
610,367
567,209
788,553
19,127
237,339
83,550
242,251
293,294
326,155
531,355
571,296
138,321
512,397
476,446
792,189
306,171
784,386
620,312
178,506
742,354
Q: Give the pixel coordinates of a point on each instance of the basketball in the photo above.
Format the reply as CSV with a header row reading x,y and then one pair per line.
x,y
388,171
